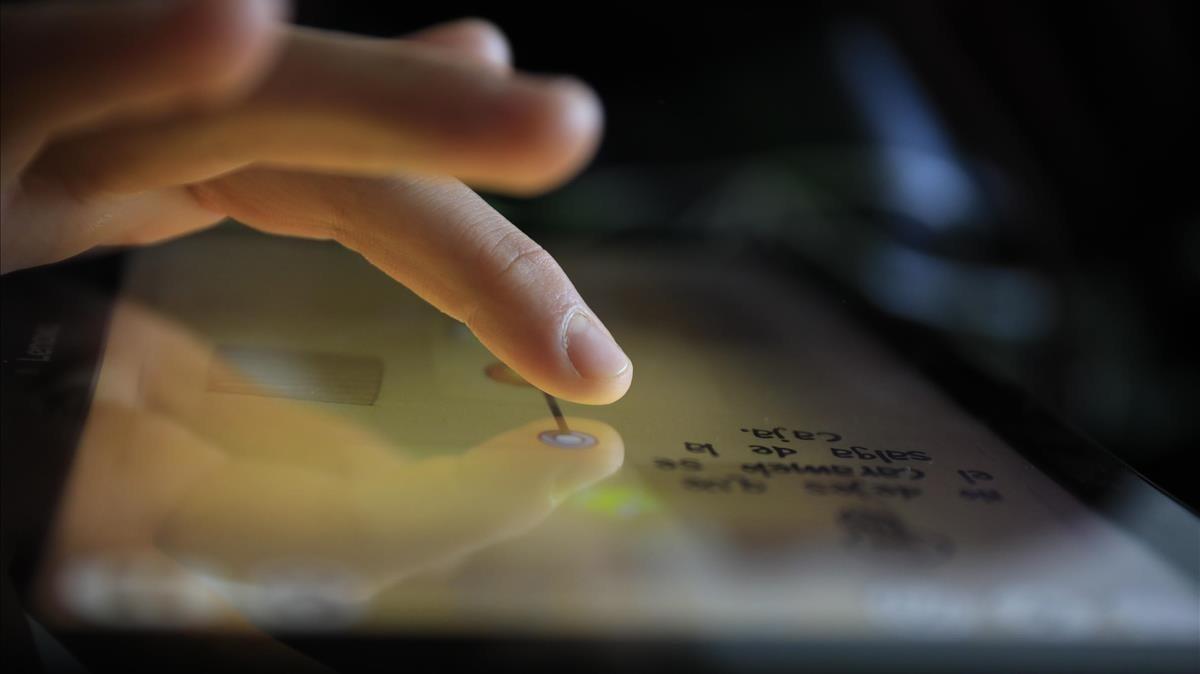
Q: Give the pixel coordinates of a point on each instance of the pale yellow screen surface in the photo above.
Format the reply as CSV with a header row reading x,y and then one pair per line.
x,y
283,437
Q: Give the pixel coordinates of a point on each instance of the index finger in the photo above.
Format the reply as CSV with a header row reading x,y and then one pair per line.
x,y
447,245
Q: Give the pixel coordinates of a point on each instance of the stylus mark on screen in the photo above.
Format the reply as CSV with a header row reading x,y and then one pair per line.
x,y
556,411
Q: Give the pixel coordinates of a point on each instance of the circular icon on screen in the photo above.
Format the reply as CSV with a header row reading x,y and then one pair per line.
x,y
567,439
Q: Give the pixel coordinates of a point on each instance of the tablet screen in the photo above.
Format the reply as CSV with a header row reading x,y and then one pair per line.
x,y
282,438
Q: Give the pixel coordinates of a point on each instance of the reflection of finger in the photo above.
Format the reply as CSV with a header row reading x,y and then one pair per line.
x,y
131,470
342,104
159,365
385,526
66,64
451,248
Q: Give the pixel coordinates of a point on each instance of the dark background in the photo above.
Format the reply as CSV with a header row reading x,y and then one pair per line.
x,y
1072,124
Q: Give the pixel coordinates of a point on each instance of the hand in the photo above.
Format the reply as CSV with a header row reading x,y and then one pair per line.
x,y
134,122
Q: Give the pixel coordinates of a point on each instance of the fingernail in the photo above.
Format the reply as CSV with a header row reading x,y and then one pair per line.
x,y
592,351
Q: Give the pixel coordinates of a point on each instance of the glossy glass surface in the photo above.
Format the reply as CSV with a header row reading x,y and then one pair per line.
x,y
282,438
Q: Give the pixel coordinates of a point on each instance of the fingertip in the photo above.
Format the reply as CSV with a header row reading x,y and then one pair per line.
x,y
525,135
615,389
486,41
222,47
554,373
601,367
554,127
473,37
588,367
597,391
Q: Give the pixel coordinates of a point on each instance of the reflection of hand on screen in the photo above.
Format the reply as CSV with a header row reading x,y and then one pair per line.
x,y
249,491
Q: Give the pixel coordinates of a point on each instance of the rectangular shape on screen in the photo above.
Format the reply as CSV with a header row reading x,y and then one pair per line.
x,y
774,472
299,375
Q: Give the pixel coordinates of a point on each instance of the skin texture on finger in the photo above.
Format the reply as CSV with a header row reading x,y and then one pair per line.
x,y
449,246
367,107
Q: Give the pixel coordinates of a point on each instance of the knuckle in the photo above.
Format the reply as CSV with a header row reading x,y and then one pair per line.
x,y
514,260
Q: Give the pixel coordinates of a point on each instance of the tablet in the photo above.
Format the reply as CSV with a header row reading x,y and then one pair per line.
x,y
261,450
